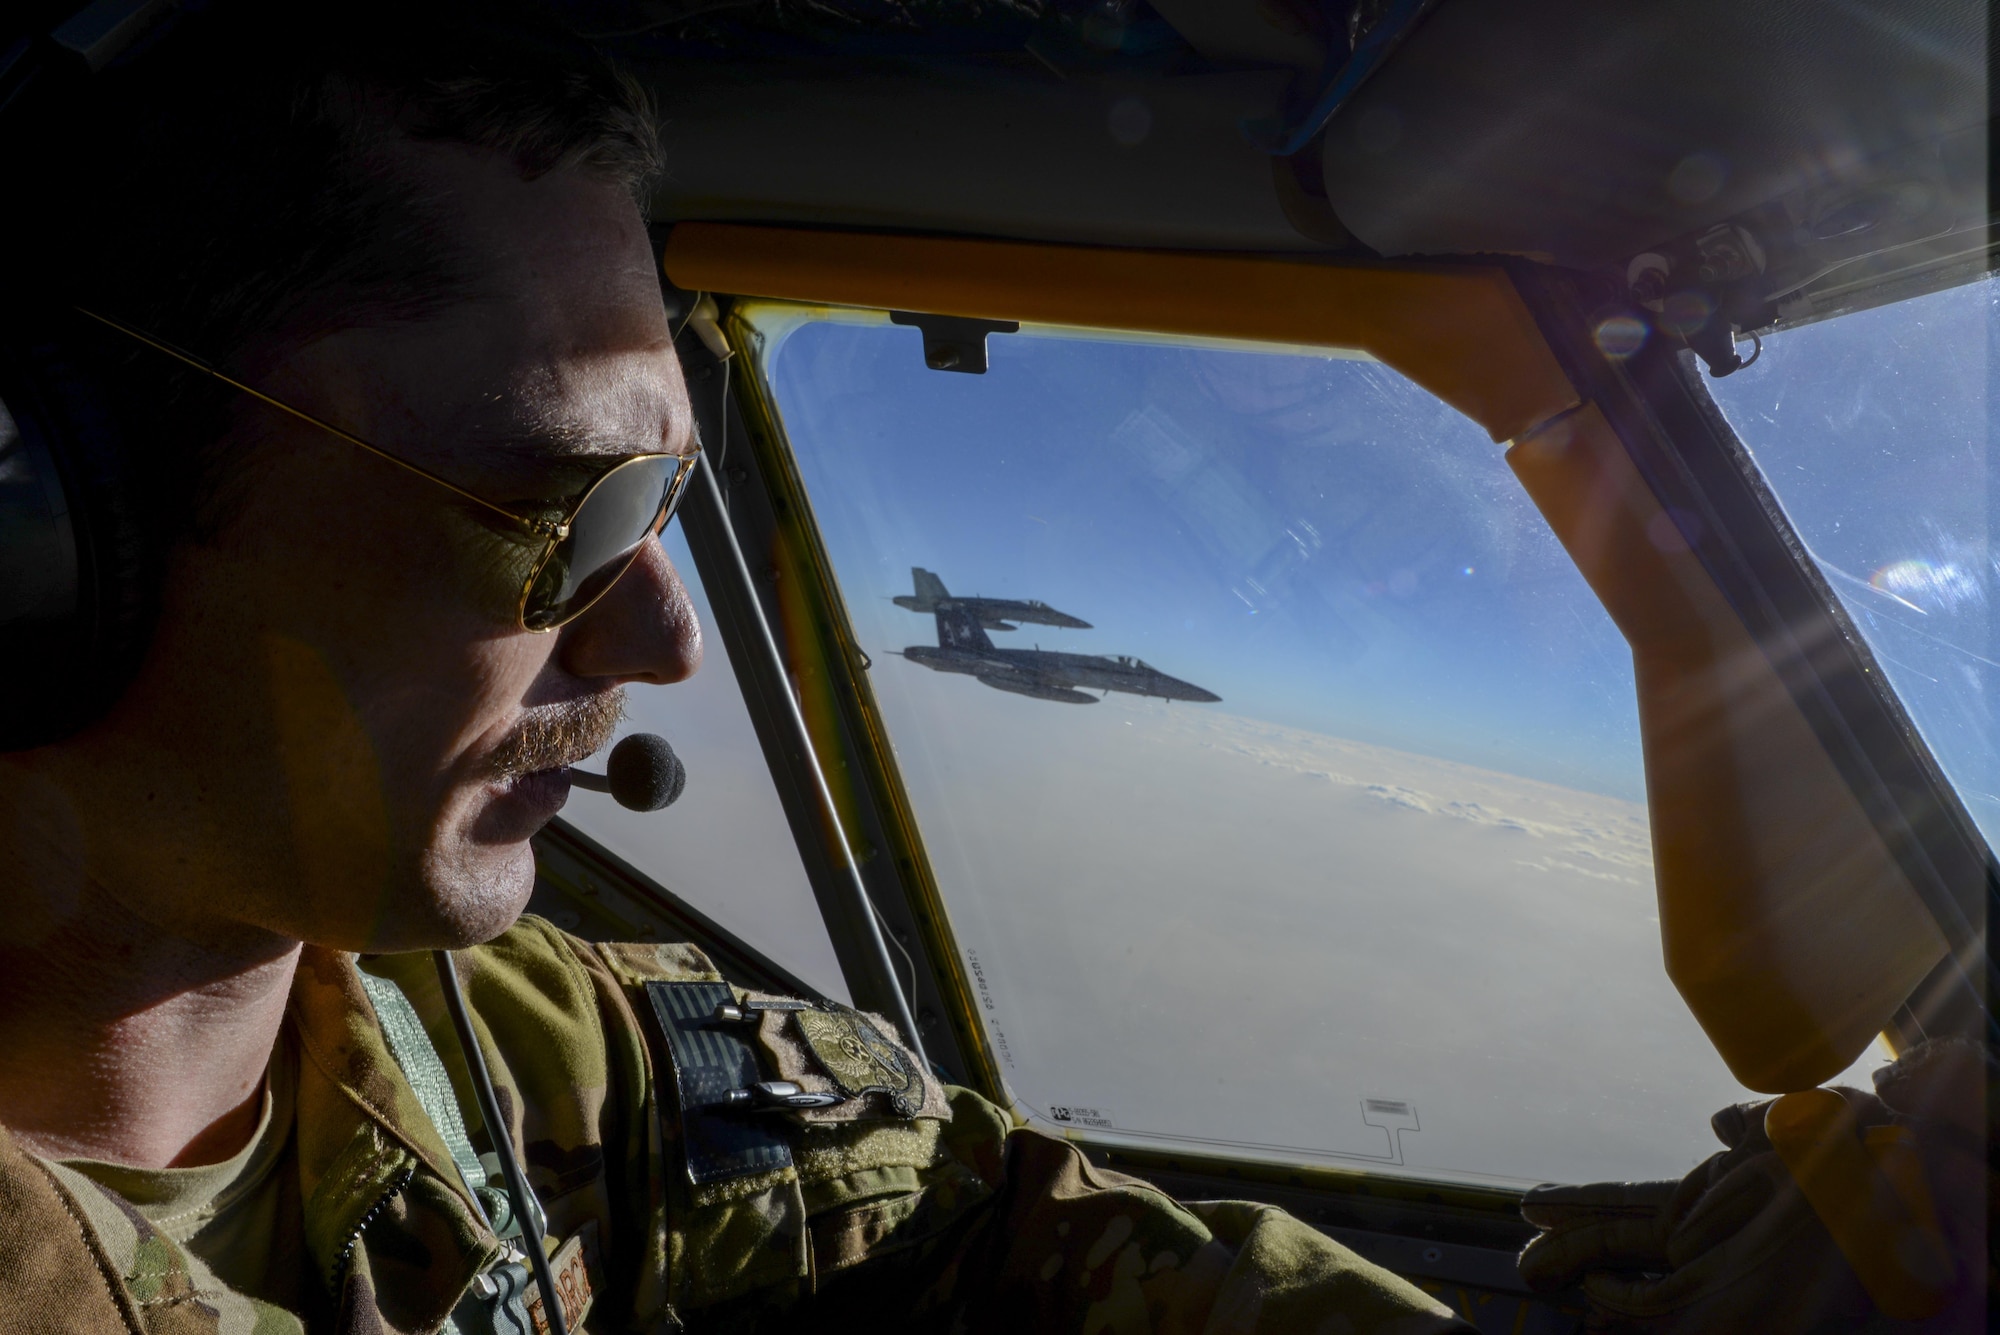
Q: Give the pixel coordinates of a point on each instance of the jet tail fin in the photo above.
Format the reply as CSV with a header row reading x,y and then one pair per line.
x,y
930,589
960,629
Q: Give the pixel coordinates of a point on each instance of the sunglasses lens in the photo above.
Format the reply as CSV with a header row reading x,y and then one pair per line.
x,y
625,507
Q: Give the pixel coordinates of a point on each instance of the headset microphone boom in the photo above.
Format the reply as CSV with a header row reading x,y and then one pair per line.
x,y
641,774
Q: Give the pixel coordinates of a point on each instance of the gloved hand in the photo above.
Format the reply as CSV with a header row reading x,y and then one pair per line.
x,y
1735,1245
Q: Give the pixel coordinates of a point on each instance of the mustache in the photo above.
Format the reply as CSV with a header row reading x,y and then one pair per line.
x,y
551,736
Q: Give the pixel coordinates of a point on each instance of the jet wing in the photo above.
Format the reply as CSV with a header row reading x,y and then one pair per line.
x,y
1019,686
1048,616
1012,610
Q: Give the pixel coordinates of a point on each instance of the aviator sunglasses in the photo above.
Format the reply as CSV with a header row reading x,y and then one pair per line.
x,y
582,554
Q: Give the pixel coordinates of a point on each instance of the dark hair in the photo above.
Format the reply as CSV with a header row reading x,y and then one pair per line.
x,y
229,189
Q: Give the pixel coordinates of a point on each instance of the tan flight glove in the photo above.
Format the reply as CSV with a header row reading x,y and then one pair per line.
x,y
1736,1245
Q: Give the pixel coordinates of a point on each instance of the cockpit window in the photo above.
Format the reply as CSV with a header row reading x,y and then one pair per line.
x,y
1352,867
1876,432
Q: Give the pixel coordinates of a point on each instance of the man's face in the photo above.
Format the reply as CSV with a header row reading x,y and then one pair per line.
x,y
347,734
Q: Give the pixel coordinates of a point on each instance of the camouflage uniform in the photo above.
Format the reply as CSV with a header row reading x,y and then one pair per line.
x,y
927,1209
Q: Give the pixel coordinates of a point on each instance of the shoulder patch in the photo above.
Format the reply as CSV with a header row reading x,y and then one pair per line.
x,y
834,1049
711,1063
859,1060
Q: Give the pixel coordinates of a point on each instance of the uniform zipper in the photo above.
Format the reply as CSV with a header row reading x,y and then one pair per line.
x,y
346,1256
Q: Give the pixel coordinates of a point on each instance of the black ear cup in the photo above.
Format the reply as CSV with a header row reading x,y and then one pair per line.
x,y
77,578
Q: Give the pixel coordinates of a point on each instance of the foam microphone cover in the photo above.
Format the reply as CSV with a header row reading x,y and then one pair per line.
x,y
644,773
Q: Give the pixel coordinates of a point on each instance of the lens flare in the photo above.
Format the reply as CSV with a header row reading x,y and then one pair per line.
x,y
1696,178
1925,586
1620,336
1686,312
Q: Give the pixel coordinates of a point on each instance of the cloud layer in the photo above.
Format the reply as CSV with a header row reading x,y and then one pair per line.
x,y
1215,929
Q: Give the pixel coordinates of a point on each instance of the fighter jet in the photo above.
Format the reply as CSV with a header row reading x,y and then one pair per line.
x,y
1043,674
993,613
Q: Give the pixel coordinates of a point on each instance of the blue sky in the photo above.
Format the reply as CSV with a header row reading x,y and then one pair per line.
x,y
1314,538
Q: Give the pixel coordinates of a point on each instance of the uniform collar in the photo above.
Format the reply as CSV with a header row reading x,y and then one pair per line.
x,y
371,1164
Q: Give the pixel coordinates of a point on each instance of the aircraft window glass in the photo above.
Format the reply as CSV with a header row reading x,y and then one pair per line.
x,y
1388,902
1875,430
725,846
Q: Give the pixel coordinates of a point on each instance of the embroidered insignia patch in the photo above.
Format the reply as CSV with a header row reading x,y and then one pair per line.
x,y
570,1269
709,1063
859,1060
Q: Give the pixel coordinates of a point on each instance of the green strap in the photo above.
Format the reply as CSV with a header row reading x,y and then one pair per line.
x,y
411,1047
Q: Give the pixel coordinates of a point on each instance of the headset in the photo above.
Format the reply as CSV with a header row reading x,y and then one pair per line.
x,y
78,580
79,557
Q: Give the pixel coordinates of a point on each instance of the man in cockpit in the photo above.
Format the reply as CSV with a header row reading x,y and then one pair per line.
x,y
338,321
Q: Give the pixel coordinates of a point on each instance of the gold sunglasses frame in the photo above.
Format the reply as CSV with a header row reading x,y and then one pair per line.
x,y
551,532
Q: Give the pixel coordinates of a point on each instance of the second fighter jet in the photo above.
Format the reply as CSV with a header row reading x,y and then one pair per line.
x,y
992,613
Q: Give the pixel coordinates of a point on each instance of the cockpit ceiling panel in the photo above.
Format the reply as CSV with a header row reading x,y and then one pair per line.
x,y
1574,130
1111,160
1586,131
1064,34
